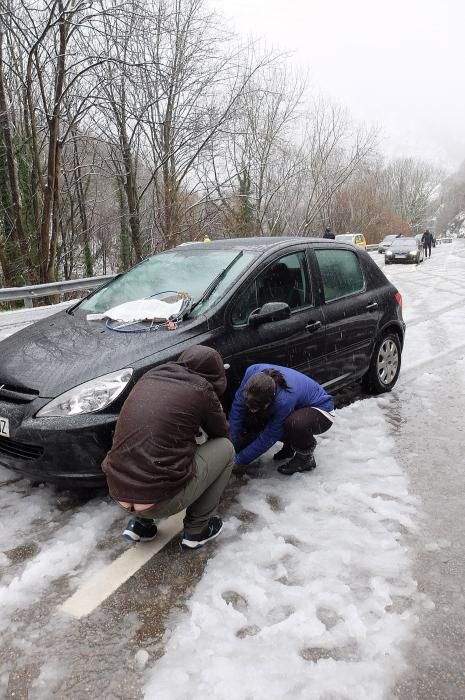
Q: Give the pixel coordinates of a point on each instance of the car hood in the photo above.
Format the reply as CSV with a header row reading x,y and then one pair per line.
x,y
402,248
64,350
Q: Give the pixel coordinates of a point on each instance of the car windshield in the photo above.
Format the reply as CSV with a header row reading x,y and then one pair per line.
x,y
405,243
388,239
344,237
191,270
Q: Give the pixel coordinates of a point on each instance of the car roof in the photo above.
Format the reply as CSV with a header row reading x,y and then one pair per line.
x,y
258,243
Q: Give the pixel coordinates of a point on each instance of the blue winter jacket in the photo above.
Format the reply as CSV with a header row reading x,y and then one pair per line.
x,y
302,392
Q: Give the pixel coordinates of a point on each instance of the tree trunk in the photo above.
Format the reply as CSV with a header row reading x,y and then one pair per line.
x,y
88,261
48,229
18,228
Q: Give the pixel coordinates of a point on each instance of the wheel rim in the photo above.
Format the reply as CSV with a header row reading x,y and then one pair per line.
x,y
388,361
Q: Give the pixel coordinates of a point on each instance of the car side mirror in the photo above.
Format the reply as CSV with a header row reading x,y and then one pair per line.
x,y
271,311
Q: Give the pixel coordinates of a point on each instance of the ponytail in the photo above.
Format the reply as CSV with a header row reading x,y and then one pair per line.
x,y
278,378
261,388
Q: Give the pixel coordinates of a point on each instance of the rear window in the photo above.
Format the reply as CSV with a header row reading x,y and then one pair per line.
x,y
341,273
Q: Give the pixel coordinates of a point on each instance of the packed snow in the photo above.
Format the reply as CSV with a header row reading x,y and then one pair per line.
x,y
317,595
309,591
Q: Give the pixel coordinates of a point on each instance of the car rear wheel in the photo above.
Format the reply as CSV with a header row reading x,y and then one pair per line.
x,y
385,365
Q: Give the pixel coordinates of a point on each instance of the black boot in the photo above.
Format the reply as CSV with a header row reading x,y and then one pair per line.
x,y
301,462
286,452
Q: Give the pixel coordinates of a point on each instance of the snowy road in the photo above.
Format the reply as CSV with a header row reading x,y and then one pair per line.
x,y
343,584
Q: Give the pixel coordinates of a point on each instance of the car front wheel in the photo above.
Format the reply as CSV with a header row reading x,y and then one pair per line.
x,y
385,365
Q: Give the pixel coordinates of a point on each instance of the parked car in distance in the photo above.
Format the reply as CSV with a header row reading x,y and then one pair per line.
x,y
323,308
444,239
386,242
407,249
354,238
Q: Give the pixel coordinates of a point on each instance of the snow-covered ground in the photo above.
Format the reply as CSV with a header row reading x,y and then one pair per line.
x,y
317,599
310,601
309,593
14,321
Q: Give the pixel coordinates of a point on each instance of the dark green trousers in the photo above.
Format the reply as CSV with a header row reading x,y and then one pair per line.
x,y
200,496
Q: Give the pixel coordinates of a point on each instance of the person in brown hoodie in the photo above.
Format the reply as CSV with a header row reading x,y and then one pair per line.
x,y
155,467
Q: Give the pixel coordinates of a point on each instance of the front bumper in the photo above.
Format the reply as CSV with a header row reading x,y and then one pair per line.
x,y
401,259
64,451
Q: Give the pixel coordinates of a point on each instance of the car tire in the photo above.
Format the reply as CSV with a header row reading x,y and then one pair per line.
x,y
385,364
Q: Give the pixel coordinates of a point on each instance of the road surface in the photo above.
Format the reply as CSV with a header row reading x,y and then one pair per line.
x,y
344,584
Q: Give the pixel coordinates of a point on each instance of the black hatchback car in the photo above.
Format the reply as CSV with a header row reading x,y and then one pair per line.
x,y
404,249
324,308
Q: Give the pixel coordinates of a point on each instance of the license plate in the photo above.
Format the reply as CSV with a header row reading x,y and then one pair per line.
x,y
401,256
4,427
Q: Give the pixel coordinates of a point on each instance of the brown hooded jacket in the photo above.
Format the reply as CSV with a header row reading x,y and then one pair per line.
x,y
152,457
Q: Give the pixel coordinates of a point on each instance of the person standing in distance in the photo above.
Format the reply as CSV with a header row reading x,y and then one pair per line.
x,y
329,233
276,403
155,467
427,240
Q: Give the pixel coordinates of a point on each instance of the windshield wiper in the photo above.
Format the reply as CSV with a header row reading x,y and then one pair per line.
x,y
70,310
215,282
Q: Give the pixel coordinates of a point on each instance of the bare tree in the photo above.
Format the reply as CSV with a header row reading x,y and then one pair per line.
x,y
335,149
409,185
199,82
360,205
55,47
251,160
451,206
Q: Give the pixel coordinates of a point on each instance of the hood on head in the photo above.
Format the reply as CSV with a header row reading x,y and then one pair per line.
x,y
206,362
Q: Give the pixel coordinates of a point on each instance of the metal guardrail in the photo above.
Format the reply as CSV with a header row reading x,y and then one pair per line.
x,y
373,246
27,294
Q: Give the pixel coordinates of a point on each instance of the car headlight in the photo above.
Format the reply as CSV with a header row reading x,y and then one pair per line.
x,y
412,252
389,252
88,397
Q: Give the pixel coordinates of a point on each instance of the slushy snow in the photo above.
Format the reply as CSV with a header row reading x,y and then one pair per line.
x,y
309,591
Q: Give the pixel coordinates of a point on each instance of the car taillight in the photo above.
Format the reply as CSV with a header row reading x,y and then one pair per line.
x,y
398,298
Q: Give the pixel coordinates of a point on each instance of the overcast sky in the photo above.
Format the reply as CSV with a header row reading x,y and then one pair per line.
x,y
398,64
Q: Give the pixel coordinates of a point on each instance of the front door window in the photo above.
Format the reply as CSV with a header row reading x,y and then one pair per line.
x,y
284,280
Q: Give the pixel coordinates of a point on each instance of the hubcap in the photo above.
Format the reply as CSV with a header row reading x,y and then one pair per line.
x,y
388,361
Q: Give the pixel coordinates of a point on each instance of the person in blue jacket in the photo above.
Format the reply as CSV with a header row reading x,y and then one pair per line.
x,y
277,403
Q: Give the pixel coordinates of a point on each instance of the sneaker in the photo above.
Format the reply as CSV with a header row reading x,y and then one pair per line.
x,y
299,463
141,530
213,529
286,452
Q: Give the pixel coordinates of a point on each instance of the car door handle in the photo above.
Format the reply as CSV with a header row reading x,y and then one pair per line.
x,y
312,327
372,306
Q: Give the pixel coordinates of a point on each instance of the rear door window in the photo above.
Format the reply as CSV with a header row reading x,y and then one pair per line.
x,y
341,273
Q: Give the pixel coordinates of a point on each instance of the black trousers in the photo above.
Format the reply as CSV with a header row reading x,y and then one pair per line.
x,y
427,249
299,428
